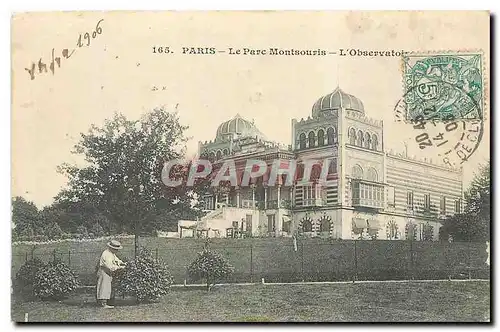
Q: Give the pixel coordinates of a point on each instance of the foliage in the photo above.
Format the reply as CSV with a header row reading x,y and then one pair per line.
x,y
82,231
465,227
97,230
54,281
25,277
210,266
122,177
144,278
474,223
25,217
428,232
477,197
53,231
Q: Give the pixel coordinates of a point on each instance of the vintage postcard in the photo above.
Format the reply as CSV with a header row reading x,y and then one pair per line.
x,y
251,166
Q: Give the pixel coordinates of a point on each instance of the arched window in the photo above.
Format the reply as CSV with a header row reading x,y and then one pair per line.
x,y
321,137
312,139
352,136
211,156
219,154
361,138
226,152
330,133
371,174
302,141
357,172
324,225
374,142
307,225
368,141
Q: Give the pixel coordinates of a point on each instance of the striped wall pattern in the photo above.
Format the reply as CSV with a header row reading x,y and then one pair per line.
x,y
422,181
329,193
332,194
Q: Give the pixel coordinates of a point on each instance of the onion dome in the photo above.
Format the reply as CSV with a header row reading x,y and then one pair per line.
x,y
237,127
336,100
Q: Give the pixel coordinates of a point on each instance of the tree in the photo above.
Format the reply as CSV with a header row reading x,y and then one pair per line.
x,y
477,197
474,223
122,176
25,217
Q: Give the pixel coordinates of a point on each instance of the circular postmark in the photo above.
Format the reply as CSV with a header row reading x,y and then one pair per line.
x,y
446,133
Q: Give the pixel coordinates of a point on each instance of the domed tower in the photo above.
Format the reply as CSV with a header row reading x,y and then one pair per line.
x,y
337,130
237,127
229,137
334,101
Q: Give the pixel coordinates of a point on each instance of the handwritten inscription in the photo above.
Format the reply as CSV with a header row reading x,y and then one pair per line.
x,y
41,67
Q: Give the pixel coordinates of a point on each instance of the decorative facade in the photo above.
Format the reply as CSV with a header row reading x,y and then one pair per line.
x,y
370,194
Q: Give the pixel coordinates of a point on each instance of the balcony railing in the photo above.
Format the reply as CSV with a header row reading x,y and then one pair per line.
x,y
248,204
365,202
314,202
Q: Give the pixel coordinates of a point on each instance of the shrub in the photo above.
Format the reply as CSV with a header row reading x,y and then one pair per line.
x,y
210,266
40,238
98,230
25,277
54,281
82,230
54,231
144,278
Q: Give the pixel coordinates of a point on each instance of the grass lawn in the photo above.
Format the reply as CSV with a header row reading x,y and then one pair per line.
x,y
360,302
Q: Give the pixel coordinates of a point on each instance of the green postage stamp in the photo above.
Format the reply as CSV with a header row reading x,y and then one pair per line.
x,y
443,86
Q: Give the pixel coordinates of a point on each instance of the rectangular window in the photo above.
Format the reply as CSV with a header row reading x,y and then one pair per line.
x,y
427,201
309,193
391,196
442,206
410,200
229,232
458,206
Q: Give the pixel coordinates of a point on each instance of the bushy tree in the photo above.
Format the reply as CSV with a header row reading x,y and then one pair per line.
x,y
54,281
122,176
25,277
474,223
143,278
82,231
97,230
25,217
209,266
53,231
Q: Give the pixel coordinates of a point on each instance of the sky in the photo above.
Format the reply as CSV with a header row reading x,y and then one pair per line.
x,y
118,70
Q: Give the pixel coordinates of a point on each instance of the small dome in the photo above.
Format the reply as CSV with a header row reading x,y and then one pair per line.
x,y
237,127
335,100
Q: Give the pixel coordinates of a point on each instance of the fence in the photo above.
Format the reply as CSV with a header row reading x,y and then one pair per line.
x,y
278,260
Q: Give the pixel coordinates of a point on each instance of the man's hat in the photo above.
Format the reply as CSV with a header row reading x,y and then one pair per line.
x,y
113,244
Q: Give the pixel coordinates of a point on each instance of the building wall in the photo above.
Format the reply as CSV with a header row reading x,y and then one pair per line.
x,y
406,175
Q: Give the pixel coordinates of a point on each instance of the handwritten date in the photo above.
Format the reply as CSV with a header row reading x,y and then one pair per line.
x,y
66,54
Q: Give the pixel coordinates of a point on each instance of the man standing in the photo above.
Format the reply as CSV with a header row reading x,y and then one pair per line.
x,y
107,265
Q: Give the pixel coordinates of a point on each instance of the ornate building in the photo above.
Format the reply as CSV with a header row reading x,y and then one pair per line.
x,y
370,193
